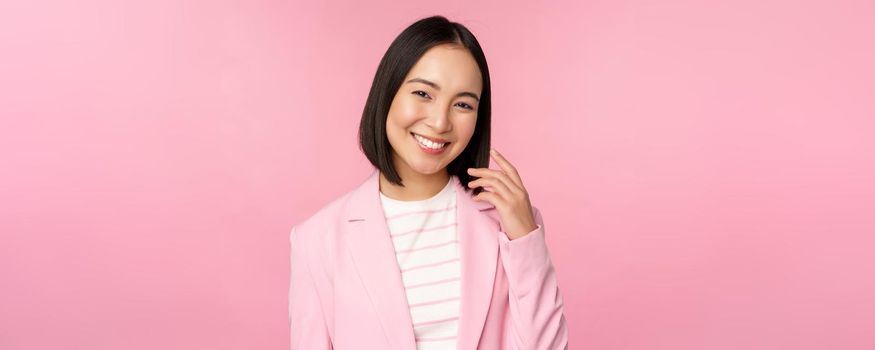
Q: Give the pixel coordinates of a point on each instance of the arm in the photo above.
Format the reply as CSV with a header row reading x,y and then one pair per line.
x,y
306,321
536,305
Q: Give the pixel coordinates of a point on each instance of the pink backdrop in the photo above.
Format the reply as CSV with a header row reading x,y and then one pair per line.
x,y
706,169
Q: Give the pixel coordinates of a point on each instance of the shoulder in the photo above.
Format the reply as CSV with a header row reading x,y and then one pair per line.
x,y
322,227
325,219
314,239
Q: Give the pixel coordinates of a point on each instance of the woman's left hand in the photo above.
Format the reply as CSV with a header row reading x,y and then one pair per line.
x,y
505,190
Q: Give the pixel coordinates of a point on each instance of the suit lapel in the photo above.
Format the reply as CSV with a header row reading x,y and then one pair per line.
x,y
374,257
478,244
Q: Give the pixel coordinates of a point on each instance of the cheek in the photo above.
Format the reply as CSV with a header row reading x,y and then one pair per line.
x,y
404,112
466,127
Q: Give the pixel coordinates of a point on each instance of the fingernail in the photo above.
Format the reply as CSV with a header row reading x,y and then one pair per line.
x,y
493,151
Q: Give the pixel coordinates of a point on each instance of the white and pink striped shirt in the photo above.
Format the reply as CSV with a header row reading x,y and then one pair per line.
x,y
427,249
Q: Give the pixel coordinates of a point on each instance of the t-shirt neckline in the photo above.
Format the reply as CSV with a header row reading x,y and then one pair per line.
x,y
447,188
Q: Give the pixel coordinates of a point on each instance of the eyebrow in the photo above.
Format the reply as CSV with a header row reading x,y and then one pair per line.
x,y
436,87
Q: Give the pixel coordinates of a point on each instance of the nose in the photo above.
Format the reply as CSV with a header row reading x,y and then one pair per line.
x,y
439,120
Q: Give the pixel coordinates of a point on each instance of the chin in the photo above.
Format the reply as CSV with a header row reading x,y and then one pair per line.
x,y
425,166
421,164
427,170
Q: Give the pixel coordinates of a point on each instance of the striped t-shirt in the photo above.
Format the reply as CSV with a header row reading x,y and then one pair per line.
x,y
427,250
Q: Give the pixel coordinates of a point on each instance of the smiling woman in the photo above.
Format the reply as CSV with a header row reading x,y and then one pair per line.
x,y
431,120
433,81
411,259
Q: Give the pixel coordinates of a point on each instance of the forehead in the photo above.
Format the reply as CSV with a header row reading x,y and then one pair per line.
x,y
450,66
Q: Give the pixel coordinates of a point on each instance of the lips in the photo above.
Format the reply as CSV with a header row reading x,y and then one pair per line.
x,y
425,148
432,139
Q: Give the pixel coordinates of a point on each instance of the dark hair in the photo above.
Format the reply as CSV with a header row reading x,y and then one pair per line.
x,y
402,54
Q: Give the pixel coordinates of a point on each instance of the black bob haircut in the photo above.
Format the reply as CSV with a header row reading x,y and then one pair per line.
x,y
402,54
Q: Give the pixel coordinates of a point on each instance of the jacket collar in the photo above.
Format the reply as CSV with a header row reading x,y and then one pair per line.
x,y
374,257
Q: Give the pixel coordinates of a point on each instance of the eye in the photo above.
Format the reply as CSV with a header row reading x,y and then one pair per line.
x,y
465,105
421,93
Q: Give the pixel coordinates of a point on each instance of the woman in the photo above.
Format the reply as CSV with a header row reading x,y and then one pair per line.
x,y
409,259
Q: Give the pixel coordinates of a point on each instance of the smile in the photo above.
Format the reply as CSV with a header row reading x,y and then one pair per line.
x,y
429,146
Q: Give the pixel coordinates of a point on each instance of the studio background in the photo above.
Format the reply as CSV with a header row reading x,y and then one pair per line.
x,y
705,169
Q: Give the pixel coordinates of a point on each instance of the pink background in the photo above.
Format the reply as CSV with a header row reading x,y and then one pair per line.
x,y
706,169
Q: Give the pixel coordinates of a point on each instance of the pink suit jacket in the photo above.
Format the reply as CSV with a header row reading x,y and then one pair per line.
x,y
346,291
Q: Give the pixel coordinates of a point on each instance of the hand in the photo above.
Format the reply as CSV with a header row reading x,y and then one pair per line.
x,y
507,193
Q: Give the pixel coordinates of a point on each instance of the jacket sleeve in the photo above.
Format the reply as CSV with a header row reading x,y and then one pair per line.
x,y
536,305
306,320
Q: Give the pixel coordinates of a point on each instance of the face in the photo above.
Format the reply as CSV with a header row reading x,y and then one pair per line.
x,y
436,104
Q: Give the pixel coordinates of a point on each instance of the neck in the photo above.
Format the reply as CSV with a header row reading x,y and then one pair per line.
x,y
416,186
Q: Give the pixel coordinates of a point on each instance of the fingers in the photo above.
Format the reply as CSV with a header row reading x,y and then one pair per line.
x,y
490,197
491,174
497,185
507,167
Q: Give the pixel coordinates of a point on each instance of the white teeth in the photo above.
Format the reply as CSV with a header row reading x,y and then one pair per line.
x,y
427,143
